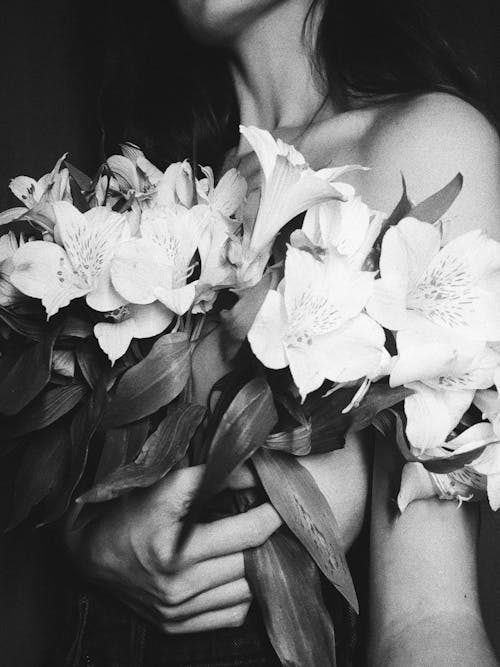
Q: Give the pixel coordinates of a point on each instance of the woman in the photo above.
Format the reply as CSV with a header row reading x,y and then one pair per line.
x,y
346,82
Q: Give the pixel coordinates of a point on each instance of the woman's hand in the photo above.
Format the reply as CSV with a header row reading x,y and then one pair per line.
x,y
130,548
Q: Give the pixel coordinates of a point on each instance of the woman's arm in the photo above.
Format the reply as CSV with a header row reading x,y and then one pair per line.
x,y
424,600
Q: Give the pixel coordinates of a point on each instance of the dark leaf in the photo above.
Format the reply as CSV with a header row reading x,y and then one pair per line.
x,y
47,408
44,466
153,382
25,326
121,446
90,360
78,198
162,450
285,582
296,497
27,377
236,323
83,427
75,327
443,465
379,397
81,179
244,428
329,424
432,209
402,209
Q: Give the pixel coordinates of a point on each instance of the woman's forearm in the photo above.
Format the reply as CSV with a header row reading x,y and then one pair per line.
x,y
424,600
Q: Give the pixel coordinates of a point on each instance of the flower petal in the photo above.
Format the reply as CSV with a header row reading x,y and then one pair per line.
x,y
268,330
114,338
150,319
306,374
42,271
178,299
416,484
229,192
138,268
432,415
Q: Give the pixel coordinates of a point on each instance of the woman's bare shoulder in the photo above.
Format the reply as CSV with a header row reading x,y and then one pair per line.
x,y
429,139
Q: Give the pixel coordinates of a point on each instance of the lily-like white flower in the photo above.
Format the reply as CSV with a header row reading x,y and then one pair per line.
x,y
475,480
455,287
289,187
157,265
77,265
51,187
9,245
443,374
314,323
128,322
350,227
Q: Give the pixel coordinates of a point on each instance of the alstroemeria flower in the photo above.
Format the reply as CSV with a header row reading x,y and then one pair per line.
x,y
455,287
77,265
289,187
51,187
443,373
157,265
314,324
128,322
488,401
475,480
350,227
8,248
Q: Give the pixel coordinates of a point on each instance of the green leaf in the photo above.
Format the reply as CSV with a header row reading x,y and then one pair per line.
x,y
47,408
286,584
329,424
162,450
432,209
244,428
442,466
83,426
152,383
402,209
296,497
27,377
44,466
237,322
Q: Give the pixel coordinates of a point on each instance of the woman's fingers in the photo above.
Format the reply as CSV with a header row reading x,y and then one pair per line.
x,y
227,536
232,617
176,587
226,596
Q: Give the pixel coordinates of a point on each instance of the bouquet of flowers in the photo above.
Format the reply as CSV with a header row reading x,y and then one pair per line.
x,y
333,317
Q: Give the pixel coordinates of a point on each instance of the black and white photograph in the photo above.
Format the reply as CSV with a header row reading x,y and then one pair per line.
x,y
250,333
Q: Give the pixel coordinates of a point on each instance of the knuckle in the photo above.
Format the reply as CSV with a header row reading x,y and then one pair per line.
x,y
255,534
161,550
176,590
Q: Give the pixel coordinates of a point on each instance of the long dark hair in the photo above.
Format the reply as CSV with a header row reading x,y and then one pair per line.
x,y
164,91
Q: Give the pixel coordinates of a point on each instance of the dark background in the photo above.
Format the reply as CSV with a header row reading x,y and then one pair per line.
x,y
52,58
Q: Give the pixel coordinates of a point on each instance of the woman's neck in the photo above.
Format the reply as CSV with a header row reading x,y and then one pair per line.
x,y
271,66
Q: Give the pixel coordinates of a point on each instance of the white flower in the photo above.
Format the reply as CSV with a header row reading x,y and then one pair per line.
x,y
157,265
455,287
51,187
128,322
289,187
76,266
488,401
443,371
9,245
350,227
314,324
474,480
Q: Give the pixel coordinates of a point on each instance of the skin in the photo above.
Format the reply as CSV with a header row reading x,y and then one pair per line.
x,y
423,593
